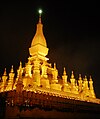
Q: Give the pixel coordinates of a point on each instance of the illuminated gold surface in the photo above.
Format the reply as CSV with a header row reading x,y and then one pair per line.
x,y
38,75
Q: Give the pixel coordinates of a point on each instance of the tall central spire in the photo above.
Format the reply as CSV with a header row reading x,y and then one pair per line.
x,y
39,45
40,12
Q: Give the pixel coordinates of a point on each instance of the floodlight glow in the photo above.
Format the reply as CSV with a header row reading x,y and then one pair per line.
x,y
40,11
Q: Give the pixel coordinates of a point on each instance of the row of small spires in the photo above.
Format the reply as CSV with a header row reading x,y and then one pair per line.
x,y
75,85
72,75
64,73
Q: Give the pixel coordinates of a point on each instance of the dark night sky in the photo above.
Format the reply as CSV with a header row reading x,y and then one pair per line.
x,y
71,30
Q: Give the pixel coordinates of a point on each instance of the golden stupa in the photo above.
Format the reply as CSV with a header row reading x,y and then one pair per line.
x,y
39,77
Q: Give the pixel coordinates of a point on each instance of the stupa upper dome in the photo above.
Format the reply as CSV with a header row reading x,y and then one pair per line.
x,y
39,45
39,37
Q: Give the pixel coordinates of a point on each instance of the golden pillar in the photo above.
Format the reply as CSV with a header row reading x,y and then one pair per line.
x,y
36,72
11,79
80,83
4,78
91,88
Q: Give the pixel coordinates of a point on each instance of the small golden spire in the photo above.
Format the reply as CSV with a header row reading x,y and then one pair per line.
x,y
64,77
4,77
72,75
12,70
20,66
5,73
90,78
85,78
54,65
64,73
80,78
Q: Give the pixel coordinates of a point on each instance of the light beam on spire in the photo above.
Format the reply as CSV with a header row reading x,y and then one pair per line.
x,y
40,12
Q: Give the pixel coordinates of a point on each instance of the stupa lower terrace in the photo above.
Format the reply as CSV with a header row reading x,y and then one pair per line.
x,y
38,76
